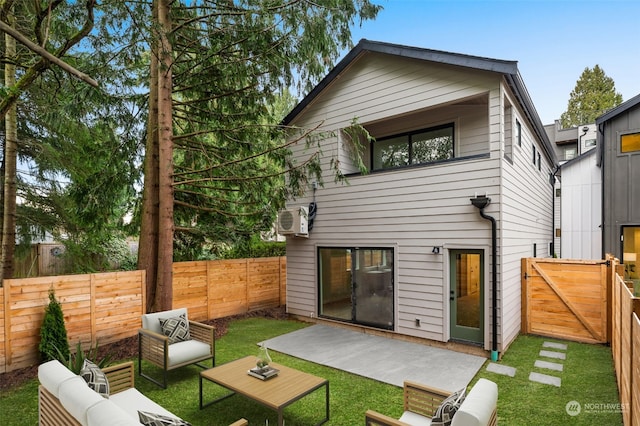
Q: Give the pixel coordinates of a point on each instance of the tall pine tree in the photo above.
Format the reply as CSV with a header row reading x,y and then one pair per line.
x,y
594,94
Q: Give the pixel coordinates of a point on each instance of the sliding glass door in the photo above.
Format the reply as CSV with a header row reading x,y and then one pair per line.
x,y
356,285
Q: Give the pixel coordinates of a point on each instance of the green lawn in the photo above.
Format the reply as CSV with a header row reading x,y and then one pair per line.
x,y
588,378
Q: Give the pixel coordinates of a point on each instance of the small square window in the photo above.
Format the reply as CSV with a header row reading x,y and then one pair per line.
x,y
630,143
558,192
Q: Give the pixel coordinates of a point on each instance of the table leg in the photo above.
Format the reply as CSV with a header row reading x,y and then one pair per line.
x,y
213,401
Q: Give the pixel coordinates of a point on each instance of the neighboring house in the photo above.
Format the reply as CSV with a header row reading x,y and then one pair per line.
x,y
569,144
619,158
580,184
403,248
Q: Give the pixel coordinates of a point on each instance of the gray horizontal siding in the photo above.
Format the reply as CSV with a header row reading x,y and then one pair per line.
x,y
413,209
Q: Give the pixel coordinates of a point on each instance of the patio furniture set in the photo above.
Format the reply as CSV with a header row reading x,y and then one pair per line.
x,y
169,340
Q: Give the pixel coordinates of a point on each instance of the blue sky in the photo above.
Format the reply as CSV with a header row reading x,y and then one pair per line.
x,y
553,41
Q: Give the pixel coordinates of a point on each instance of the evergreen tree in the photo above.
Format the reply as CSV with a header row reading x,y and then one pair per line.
x,y
215,156
594,94
53,333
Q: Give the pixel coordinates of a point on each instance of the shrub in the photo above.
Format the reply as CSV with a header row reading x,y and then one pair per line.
x,y
74,361
53,333
251,248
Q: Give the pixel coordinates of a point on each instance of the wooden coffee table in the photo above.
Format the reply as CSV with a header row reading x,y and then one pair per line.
x,y
276,393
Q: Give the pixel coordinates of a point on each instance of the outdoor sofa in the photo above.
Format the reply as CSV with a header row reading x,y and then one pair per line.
x,y
479,407
65,399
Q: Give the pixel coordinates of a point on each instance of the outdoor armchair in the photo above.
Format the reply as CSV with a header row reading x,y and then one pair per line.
x,y
421,402
169,340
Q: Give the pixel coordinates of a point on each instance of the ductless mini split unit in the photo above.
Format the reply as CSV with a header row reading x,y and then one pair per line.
x,y
294,221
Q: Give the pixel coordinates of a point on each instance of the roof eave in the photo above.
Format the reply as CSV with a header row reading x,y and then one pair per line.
x,y
618,110
517,85
507,68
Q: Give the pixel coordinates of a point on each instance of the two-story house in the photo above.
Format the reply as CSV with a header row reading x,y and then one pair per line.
x,y
619,162
459,189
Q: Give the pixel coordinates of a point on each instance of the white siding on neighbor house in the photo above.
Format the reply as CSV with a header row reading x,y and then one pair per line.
x,y
581,209
557,218
526,219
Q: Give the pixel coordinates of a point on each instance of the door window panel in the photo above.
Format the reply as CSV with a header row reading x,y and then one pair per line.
x,y
466,295
631,253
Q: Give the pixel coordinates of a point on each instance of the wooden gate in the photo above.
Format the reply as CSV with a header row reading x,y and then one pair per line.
x,y
565,298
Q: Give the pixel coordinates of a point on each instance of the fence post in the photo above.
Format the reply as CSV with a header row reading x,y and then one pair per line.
x,y
7,323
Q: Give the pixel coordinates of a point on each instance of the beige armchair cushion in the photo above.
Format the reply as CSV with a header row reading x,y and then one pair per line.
x,y
152,321
182,352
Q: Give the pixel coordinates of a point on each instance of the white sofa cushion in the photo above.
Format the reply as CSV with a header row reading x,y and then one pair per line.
x,y
132,400
152,321
478,405
107,413
414,419
187,351
51,374
76,397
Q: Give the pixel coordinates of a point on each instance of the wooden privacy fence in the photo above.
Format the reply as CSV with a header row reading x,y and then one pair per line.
x,y
106,307
625,347
587,301
565,298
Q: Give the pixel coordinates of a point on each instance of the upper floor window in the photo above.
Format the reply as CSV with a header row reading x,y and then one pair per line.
x,y
570,152
630,142
419,147
518,133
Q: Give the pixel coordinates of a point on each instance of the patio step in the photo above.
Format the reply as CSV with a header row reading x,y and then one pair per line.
x,y
552,350
505,370
555,351
545,379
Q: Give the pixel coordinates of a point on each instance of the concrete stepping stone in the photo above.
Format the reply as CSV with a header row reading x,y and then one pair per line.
x,y
552,354
545,379
549,365
553,345
501,369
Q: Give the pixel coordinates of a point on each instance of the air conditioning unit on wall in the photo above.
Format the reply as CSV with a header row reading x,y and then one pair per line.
x,y
293,221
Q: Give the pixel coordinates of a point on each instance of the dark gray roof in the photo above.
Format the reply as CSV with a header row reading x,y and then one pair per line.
x,y
509,69
619,109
